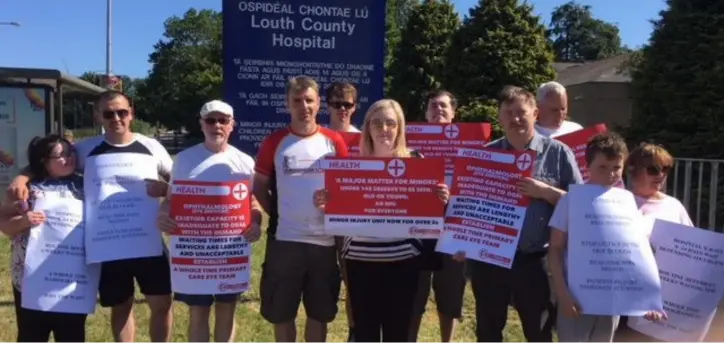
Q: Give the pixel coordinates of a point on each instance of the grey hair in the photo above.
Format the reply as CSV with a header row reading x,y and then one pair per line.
x,y
548,88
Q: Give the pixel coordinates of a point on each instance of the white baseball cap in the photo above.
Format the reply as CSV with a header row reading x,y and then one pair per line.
x,y
216,106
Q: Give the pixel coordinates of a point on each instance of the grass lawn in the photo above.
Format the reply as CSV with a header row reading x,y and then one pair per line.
x,y
250,325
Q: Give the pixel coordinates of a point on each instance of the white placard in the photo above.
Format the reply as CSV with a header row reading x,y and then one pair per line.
x,y
121,217
611,268
691,266
56,276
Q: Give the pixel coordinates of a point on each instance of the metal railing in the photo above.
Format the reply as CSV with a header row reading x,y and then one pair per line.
x,y
696,183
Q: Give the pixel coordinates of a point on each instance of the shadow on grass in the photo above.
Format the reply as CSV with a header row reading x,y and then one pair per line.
x,y
242,300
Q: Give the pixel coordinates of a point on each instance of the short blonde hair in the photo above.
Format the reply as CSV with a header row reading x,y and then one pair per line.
x,y
301,83
646,155
400,144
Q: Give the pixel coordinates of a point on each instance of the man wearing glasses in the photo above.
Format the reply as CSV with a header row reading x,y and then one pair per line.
x,y
213,160
116,289
341,103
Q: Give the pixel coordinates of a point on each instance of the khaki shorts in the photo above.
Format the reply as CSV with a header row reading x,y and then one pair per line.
x,y
294,272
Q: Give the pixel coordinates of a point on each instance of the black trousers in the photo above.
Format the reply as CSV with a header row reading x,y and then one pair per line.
x,y
382,296
36,326
527,283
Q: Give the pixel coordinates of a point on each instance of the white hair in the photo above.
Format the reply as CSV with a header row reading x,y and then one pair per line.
x,y
548,88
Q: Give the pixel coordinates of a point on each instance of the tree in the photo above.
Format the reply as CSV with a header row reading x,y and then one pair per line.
x,y
500,43
577,36
397,13
420,56
186,70
676,86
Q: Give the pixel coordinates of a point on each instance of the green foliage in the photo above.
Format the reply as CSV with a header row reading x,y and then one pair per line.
x,y
677,85
482,111
186,70
578,36
500,43
419,62
676,88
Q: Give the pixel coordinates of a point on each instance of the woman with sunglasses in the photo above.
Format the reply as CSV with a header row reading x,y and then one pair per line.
x,y
382,273
648,166
52,160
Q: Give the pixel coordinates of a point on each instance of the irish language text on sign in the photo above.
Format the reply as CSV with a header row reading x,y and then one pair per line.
x,y
379,197
577,142
209,255
611,268
486,211
691,265
327,40
57,278
444,140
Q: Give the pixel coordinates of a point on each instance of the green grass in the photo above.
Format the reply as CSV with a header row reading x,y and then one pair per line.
x,y
250,326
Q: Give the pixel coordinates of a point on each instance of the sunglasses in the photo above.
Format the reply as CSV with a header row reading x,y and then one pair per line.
x,y
213,121
380,124
656,170
341,105
112,114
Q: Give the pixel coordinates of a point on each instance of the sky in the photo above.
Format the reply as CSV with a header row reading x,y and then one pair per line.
x,y
75,41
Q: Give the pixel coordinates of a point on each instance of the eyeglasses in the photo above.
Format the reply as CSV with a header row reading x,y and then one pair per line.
x,y
341,105
65,154
112,114
380,124
656,170
213,121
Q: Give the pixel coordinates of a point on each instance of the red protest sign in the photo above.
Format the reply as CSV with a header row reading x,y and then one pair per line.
x,y
577,142
352,139
209,255
383,197
486,211
444,140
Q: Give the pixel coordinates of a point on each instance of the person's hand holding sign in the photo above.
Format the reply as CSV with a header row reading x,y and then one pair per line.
x,y
34,218
655,316
156,188
443,192
254,233
321,197
531,187
568,305
164,221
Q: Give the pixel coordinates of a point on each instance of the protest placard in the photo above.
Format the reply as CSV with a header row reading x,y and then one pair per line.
x,y
444,140
486,211
383,197
691,268
119,213
577,142
209,255
56,277
611,267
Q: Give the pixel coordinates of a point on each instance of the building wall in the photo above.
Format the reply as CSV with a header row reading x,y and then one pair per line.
x,y
593,103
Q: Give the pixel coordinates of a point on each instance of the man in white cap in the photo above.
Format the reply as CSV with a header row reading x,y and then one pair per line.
x,y
553,111
213,160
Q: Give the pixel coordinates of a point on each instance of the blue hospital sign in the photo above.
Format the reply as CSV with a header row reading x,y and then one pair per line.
x,y
268,42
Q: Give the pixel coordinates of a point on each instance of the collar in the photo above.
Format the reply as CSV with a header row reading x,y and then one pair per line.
x,y
536,143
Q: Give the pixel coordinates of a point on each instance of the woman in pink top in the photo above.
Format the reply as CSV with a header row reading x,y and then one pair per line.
x,y
648,166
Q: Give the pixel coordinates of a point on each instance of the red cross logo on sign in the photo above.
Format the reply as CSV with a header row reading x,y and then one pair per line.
x,y
396,168
240,191
523,162
451,131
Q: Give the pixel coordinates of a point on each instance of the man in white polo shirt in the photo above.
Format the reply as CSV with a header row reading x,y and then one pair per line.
x,y
212,160
553,111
